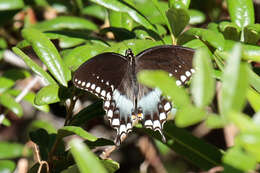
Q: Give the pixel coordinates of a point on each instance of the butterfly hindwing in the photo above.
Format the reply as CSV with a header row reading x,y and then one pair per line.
x,y
175,60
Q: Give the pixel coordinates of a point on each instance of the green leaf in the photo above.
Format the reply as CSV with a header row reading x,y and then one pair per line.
x,y
182,3
235,83
87,113
254,80
65,22
6,122
253,98
7,166
75,57
239,159
178,19
71,169
110,165
34,66
10,150
195,150
252,33
86,161
189,116
47,95
250,52
120,34
7,101
215,121
39,124
11,4
241,12
125,8
161,80
202,83
213,38
135,45
29,97
71,130
47,52
120,20
95,11
230,30
9,77
242,121
250,141
196,17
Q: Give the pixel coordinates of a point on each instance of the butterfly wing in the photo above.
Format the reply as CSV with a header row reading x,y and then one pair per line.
x,y
175,60
107,76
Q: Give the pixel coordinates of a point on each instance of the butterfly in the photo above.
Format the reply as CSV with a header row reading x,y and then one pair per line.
x,y
113,77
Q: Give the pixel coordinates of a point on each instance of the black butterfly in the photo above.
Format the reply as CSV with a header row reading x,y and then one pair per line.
x,y
112,77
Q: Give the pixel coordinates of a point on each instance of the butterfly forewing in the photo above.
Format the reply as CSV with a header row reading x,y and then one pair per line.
x,y
176,60
101,74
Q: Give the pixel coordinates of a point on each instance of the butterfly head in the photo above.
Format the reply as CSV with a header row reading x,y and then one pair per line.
x,y
130,56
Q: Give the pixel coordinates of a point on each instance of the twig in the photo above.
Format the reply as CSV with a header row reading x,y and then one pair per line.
x,y
38,158
13,59
150,154
230,132
22,95
107,152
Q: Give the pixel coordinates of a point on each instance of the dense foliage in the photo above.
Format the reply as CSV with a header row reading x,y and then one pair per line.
x,y
47,125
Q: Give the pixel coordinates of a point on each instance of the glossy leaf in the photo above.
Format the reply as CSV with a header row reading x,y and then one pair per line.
x,y
241,12
7,101
230,30
203,83
185,3
47,52
75,57
178,19
120,20
123,7
213,38
7,166
73,130
196,17
10,150
235,83
252,33
34,66
95,11
29,97
47,95
65,22
11,4
86,161
250,52
87,113
161,80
